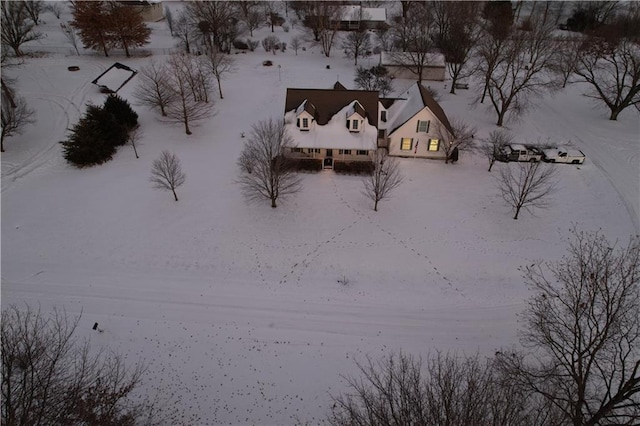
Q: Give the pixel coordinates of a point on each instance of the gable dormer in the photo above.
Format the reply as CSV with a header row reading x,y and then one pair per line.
x,y
305,115
355,117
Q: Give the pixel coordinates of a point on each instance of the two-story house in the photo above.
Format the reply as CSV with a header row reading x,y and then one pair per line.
x,y
332,124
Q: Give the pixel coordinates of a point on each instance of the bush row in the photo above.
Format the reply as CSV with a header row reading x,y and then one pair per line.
x,y
353,167
306,164
95,138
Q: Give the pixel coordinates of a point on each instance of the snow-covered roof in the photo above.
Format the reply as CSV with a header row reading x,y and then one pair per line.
x,y
354,13
334,134
518,147
433,59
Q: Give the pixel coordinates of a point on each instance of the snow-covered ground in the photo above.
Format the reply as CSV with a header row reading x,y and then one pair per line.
x,y
239,309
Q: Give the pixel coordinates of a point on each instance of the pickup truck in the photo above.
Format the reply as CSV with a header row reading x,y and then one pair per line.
x,y
563,154
519,152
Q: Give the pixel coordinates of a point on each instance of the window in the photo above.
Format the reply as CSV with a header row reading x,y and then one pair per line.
x,y
434,144
362,152
383,116
423,126
313,150
380,133
344,151
354,124
297,150
305,123
406,144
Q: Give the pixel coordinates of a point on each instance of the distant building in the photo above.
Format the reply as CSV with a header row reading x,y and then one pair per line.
x,y
401,65
151,11
361,18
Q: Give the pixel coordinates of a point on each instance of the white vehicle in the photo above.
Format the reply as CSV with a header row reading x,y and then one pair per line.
x,y
519,152
563,154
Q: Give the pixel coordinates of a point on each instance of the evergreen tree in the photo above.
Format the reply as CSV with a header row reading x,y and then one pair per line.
x,y
122,111
95,138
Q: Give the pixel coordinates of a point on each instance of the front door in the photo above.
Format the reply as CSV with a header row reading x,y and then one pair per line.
x,y
328,160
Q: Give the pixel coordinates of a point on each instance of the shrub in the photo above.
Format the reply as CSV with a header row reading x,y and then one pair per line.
x,y
283,46
121,111
285,27
252,44
270,43
307,164
353,167
241,45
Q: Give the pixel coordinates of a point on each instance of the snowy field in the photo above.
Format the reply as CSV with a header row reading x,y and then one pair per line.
x,y
237,308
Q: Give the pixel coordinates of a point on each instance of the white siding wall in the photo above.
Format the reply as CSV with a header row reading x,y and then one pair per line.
x,y
408,130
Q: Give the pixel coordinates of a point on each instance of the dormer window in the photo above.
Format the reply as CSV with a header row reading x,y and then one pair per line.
x,y
383,116
305,123
354,124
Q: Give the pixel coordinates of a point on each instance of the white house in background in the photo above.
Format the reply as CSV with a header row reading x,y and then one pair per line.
x,y
151,11
332,124
356,17
414,125
401,65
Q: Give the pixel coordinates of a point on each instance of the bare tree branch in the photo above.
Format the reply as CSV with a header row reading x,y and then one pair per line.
x,y
264,170
166,173
385,178
529,187
16,115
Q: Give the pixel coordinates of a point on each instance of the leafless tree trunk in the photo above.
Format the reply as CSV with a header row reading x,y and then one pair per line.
x,y
16,115
385,178
253,20
296,43
220,64
153,89
183,30
460,135
525,70
16,29
613,71
49,377
34,8
134,137
71,36
567,57
529,187
582,333
493,145
356,44
415,36
264,169
459,30
166,173
187,103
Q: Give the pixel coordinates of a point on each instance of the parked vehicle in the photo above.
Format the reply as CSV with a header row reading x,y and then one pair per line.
x,y
519,152
563,154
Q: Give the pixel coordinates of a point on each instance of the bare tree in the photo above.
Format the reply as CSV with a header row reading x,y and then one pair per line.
x,y
459,136
153,89
567,57
582,333
375,78
271,44
133,137
253,20
166,173
296,43
271,12
216,21
446,390
219,65
415,35
265,172
71,36
612,68
493,145
187,103
524,72
183,31
34,8
127,27
16,115
168,16
356,44
55,8
385,178
16,27
457,36
529,187
49,377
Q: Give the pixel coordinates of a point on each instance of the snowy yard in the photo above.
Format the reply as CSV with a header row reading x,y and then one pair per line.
x,y
236,307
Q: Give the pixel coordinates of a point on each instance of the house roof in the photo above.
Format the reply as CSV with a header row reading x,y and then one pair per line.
x,y
327,102
355,12
414,100
339,86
